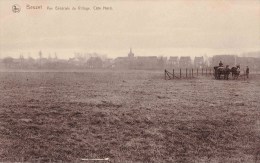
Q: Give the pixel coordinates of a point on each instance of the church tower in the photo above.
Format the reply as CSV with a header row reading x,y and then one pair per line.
x,y
131,54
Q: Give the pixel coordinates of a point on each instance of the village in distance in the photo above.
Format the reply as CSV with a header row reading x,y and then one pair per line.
x,y
130,61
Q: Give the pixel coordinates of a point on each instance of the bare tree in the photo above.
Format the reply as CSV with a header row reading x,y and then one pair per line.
x,y
40,55
56,56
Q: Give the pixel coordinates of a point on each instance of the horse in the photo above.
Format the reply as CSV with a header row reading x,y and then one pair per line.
x,y
219,70
216,72
235,72
227,72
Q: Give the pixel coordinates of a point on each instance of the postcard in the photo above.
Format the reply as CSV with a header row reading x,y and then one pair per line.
x,y
129,81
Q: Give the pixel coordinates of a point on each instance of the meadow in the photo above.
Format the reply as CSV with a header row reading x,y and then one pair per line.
x,y
128,116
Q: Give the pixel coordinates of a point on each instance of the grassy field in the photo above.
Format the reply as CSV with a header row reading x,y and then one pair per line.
x,y
133,116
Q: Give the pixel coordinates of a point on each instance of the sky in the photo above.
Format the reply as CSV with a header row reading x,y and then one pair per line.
x,y
149,27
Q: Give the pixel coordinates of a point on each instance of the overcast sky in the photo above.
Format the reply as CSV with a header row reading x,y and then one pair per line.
x,y
161,28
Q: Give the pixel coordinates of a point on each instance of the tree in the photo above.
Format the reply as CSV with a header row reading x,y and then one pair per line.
x,y
8,61
56,56
95,62
21,58
40,55
49,58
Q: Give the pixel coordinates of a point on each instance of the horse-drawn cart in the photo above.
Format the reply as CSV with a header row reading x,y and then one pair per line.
x,y
220,71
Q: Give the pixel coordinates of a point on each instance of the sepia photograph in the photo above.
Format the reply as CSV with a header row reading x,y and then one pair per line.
x,y
130,81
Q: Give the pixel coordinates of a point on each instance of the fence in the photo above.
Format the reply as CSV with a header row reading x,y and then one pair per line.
x,y
193,73
187,73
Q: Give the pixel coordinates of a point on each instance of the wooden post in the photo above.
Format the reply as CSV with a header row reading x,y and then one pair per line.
x,y
173,73
244,74
186,72
180,72
165,74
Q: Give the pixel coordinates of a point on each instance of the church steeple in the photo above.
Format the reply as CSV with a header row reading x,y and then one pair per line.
x,y
131,54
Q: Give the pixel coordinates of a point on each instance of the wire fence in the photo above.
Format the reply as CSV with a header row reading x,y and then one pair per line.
x,y
187,73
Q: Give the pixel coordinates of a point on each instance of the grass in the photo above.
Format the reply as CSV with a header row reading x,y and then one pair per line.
x,y
133,116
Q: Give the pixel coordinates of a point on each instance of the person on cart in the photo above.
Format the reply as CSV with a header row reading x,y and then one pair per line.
x,y
220,64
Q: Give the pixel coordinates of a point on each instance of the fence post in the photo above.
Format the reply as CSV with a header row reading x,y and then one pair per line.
x,y
173,73
180,72
165,74
244,74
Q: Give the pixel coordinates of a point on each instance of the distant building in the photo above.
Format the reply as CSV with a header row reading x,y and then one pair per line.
x,y
125,62
173,62
199,62
252,62
131,60
185,62
226,60
94,62
121,62
131,54
139,62
108,63
257,63
255,54
146,62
